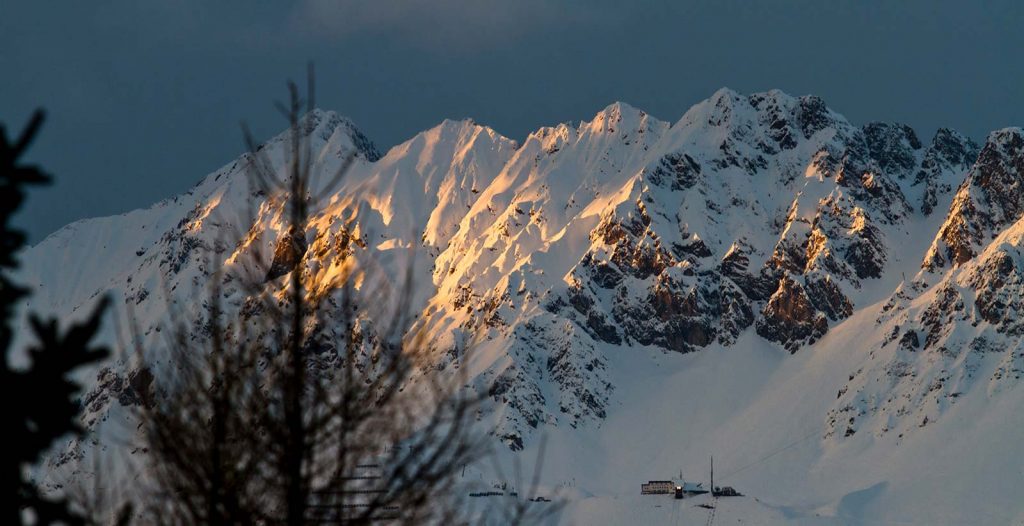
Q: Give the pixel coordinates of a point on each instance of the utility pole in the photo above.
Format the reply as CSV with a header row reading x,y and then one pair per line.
x,y
712,475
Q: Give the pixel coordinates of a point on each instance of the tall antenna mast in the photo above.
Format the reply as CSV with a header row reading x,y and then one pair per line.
x,y
712,475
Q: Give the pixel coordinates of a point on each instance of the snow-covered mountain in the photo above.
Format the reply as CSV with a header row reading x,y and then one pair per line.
x,y
830,309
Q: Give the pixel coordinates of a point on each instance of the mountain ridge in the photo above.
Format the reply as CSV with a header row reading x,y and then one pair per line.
x,y
762,225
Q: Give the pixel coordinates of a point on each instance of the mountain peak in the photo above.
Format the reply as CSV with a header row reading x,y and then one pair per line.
x,y
619,108
467,125
776,108
725,93
323,126
457,134
989,200
1011,139
617,112
953,147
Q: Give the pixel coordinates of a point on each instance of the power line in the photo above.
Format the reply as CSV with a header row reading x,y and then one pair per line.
x,y
772,454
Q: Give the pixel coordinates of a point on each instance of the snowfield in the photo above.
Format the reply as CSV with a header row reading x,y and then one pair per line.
x,y
829,310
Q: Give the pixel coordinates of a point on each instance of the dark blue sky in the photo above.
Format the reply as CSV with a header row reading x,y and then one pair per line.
x,y
145,98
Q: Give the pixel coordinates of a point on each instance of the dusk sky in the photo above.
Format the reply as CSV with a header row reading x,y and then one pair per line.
x,y
145,98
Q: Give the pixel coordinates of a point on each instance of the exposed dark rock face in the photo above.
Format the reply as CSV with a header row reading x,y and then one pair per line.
x,y
736,311
128,390
999,173
338,245
676,299
827,297
999,283
865,252
937,319
953,149
676,171
790,318
329,123
513,389
546,347
179,245
892,146
792,251
735,265
691,249
670,315
991,198
777,120
949,151
813,115
860,175
584,392
288,252
910,341
592,319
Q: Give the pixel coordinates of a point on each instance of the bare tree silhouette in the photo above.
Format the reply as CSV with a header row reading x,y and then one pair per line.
x,y
312,403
